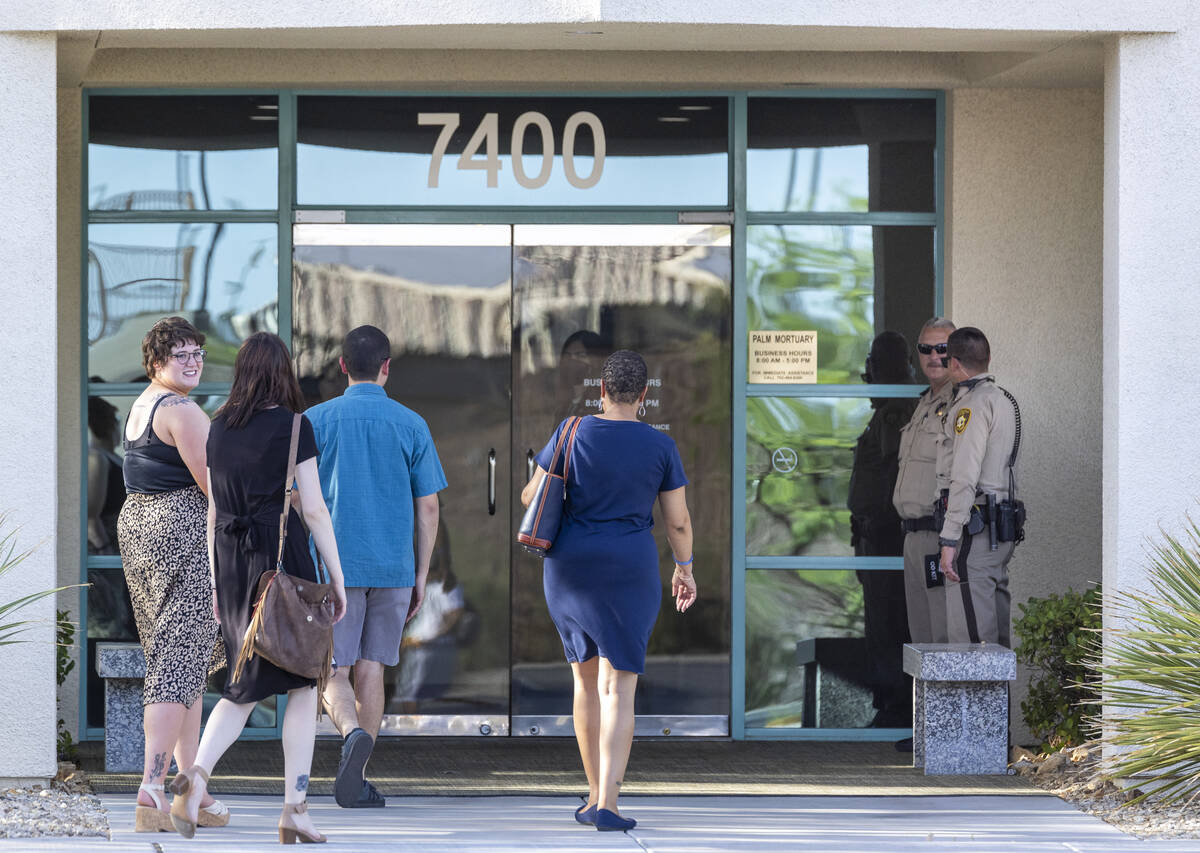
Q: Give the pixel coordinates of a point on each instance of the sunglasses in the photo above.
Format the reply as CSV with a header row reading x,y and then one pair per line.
x,y
926,349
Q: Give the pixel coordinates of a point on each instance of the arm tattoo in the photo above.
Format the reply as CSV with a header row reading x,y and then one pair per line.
x,y
302,782
159,767
176,401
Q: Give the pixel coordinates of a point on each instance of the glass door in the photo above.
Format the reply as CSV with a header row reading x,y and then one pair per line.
x,y
580,292
441,293
445,294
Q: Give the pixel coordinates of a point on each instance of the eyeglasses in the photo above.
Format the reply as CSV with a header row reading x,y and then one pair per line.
x,y
185,357
926,349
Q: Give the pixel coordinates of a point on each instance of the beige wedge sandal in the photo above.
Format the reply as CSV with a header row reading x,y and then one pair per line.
x,y
152,818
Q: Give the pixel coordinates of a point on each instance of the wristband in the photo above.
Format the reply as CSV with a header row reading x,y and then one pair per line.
x,y
687,562
947,543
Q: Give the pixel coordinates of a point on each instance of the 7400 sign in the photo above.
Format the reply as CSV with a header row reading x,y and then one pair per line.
x,y
482,151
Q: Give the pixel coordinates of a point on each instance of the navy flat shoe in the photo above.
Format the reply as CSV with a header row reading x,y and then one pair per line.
x,y
586,815
607,821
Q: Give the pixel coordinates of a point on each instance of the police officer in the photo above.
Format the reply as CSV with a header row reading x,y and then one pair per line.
x,y
876,532
925,596
975,478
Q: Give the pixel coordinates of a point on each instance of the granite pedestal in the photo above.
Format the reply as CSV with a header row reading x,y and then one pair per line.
x,y
123,668
836,695
960,706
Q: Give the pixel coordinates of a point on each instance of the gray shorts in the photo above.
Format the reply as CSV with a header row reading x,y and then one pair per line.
x,y
373,625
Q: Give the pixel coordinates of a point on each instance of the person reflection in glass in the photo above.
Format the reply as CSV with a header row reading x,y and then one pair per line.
x,y
580,359
429,650
105,477
876,531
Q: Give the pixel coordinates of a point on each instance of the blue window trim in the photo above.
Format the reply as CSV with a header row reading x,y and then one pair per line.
x,y
284,217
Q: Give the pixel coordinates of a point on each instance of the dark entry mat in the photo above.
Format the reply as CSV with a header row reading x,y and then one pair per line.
x,y
437,766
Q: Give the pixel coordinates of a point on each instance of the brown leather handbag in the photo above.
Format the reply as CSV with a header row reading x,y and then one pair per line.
x,y
292,625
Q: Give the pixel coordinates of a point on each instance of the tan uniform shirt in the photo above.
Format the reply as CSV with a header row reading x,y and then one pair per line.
x,y
977,439
916,484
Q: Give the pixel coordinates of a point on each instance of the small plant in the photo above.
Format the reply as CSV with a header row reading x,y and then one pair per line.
x,y
1058,636
65,641
1150,678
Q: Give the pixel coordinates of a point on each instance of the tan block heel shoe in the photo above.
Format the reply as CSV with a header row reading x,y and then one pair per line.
x,y
289,833
183,784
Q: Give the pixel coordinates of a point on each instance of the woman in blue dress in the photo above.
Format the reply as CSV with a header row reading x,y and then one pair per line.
x,y
601,578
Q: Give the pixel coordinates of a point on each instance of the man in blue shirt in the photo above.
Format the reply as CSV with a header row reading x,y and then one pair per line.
x,y
380,473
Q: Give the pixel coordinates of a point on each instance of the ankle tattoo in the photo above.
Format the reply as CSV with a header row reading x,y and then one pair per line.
x,y
159,767
302,782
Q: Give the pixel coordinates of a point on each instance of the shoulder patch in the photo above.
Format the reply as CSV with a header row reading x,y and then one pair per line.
x,y
961,420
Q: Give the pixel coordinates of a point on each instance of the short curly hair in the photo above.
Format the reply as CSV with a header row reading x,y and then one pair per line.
x,y
166,334
624,375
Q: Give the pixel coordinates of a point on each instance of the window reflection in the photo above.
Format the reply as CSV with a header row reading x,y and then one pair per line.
x,y
799,455
378,150
183,152
841,154
845,282
806,660
221,277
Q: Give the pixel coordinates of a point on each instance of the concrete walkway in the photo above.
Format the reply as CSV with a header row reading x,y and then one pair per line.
x,y
671,824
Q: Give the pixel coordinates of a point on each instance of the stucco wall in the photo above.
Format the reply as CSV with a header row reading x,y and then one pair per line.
x,y
28,349
1024,263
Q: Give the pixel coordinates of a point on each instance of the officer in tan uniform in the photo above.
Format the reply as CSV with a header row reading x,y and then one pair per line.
x,y
916,485
975,478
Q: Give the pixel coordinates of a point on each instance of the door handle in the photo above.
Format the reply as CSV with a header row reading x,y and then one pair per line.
x,y
528,465
492,481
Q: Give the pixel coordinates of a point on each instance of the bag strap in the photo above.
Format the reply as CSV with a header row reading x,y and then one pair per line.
x,y
287,489
562,440
570,449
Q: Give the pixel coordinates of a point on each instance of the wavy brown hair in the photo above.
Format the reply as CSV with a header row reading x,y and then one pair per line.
x,y
262,377
164,336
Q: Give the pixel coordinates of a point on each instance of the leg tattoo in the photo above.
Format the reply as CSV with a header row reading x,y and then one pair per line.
x,y
159,767
302,782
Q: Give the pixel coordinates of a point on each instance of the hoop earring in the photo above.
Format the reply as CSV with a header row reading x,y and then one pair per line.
x,y
642,409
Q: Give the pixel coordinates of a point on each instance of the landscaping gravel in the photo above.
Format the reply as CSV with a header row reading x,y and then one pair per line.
x,y
66,808
1075,774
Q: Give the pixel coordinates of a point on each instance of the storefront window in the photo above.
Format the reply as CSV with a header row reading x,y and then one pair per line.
x,y
846,283
841,154
459,151
183,152
222,277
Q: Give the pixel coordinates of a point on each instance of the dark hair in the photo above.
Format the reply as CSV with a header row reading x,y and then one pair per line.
x,y
889,359
624,375
262,377
970,346
364,350
165,335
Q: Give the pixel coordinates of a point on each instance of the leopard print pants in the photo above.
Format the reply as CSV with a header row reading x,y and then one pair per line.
x,y
165,556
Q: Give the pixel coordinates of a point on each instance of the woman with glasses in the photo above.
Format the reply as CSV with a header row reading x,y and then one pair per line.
x,y
161,531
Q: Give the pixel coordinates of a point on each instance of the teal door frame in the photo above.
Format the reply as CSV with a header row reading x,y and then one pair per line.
x,y
284,216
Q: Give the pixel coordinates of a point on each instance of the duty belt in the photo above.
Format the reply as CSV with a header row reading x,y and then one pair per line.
x,y
912,525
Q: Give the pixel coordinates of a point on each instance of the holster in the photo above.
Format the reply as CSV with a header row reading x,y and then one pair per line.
x,y
1010,521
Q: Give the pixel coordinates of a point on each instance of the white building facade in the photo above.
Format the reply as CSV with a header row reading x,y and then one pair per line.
x,y
717,169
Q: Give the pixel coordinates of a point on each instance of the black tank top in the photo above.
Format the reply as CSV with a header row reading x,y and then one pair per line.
x,y
152,467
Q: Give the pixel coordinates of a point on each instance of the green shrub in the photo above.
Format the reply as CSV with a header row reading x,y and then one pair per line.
x,y
65,641
1150,674
1058,636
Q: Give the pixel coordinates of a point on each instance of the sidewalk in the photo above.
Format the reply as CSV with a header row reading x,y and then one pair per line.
x,y
667,824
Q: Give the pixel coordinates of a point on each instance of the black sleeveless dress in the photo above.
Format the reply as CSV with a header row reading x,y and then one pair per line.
x,y
247,466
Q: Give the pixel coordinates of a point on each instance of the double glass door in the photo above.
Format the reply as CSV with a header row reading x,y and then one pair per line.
x,y
498,333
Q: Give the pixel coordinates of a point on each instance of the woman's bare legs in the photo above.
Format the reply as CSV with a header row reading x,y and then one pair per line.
x,y
587,722
161,721
299,733
616,688
189,741
225,723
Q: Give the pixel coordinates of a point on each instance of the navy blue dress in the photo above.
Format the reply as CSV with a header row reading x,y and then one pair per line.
x,y
601,577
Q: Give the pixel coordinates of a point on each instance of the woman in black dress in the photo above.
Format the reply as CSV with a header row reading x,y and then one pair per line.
x,y
247,463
